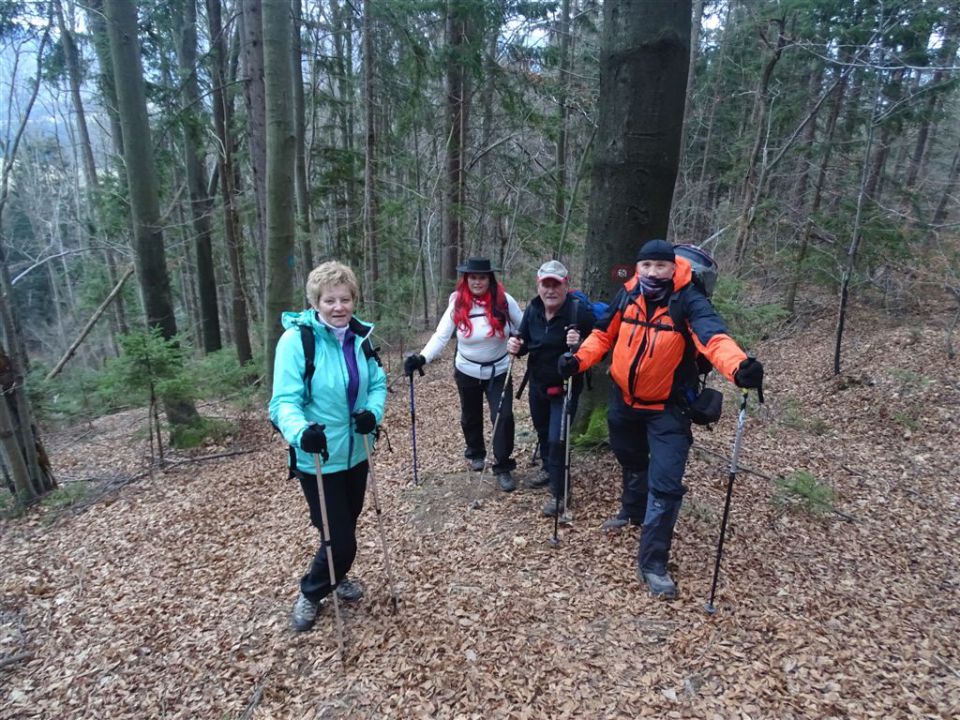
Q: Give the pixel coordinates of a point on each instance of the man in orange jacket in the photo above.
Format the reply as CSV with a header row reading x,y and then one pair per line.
x,y
647,417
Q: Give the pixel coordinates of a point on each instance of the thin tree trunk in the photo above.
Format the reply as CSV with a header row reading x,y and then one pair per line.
x,y
299,129
791,293
751,182
222,120
563,116
856,234
370,200
201,205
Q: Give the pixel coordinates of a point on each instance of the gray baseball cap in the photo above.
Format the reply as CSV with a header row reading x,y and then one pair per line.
x,y
553,269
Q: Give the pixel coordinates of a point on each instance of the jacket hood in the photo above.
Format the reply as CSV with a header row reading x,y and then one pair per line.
x,y
682,276
310,318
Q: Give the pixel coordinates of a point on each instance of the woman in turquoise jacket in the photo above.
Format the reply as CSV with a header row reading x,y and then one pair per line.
x,y
344,399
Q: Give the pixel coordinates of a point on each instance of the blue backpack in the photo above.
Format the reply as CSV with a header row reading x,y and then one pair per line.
x,y
595,306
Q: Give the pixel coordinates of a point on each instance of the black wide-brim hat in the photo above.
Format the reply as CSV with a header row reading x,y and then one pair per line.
x,y
477,265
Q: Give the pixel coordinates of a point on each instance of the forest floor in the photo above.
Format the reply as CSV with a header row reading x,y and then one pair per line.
x,y
169,597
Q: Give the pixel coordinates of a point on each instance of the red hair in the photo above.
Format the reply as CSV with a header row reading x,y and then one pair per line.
x,y
496,311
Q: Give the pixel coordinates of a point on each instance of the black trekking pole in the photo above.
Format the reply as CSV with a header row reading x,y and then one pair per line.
x,y
413,428
507,386
565,434
383,538
325,540
741,421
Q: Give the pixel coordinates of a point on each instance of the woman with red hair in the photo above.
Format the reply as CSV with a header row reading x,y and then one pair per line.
x,y
482,316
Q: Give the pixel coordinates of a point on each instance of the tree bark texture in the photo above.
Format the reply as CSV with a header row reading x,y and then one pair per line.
x,y
254,94
222,121
643,72
149,254
300,133
201,205
458,107
278,83
370,200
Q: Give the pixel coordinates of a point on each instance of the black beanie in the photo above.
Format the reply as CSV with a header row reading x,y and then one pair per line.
x,y
656,250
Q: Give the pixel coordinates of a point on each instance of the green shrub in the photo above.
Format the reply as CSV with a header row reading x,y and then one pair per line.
x,y
595,433
191,436
802,490
67,397
220,374
748,323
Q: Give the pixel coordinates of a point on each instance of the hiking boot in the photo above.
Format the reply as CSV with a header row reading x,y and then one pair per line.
x,y
506,481
304,613
550,506
660,586
348,590
619,521
541,479
477,464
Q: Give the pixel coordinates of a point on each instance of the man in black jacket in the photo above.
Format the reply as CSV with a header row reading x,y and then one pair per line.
x,y
553,322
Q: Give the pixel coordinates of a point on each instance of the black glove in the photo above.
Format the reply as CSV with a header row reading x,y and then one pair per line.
x,y
412,363
314,441
749,374
568,365
364,421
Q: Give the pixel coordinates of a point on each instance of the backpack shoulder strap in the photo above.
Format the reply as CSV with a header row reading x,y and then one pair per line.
x,y
573,314
309,357
369,351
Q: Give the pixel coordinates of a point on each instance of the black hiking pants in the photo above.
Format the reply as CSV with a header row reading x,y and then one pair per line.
x,y
344,492
546,411
472,393
657,443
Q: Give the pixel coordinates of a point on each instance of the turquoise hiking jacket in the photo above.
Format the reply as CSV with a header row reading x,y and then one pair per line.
x,y
292,413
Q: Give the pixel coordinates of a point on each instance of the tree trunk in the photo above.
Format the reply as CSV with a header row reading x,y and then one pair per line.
x,y
751,182
254,95
458,107
563,116
19,439
940,216
643,72
201,205
278,83
300,132
222,120
791,294
149,256
370,199
644,60
855,238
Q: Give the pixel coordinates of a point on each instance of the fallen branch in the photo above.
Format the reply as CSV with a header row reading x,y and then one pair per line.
x,y
750,471
14,659
89,326
254,701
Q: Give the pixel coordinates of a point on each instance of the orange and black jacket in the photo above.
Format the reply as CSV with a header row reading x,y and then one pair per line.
x,y
648,362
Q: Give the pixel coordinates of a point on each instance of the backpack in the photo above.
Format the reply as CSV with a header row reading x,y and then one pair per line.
x,y
703,405
595,306
704,279
309,368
